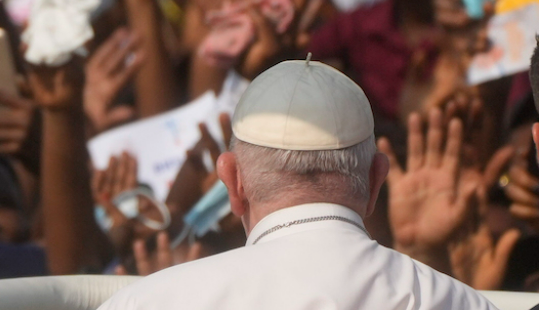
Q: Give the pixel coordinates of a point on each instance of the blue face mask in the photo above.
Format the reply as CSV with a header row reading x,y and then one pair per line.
x,y
206,214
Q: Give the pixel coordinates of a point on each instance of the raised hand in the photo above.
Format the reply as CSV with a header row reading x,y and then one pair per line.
x,y
193,179
267,44
232,31
475,258
120,175
429,201
522,189
65,192
58,88
108,70
479,262
163,257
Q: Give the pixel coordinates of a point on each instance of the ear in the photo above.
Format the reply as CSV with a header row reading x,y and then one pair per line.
x,y
378,174
535,133
228,172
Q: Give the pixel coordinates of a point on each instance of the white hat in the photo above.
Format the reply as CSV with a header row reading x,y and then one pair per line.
x,y
303,105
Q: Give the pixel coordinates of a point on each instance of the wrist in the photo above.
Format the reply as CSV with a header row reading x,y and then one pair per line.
x,y
71,111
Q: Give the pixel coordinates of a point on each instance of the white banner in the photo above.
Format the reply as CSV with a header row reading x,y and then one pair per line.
x,y
512,34
159,143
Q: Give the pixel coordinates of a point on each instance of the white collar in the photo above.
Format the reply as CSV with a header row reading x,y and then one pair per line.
x,y
300,212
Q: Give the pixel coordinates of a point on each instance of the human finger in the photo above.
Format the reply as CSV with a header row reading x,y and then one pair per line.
x,y
143,262
265,28
196,251
119,56
120,175
97,182
434,139
524,212
110,175
503,250
450,112
497,164
209,142
12,134
395,170
112,43
120,271
451,158
467,201
521,195
118,116
131,180
164,253
309,13
9,147
132,63
226,128
475,114
522,177
415,143
12,101
13,119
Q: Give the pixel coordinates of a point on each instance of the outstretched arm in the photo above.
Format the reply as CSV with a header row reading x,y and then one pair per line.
x,y
70,232
430,200
155,81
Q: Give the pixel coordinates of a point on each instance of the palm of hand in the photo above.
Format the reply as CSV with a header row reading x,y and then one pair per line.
x,y
424,207
479,262
428,201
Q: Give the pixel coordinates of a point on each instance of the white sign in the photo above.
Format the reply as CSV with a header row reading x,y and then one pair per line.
x,y
159,143
512,35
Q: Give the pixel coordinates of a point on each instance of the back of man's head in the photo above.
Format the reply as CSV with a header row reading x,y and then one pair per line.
x,y
304,129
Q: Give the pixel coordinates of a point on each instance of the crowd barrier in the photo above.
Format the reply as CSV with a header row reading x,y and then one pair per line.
x,y
88,292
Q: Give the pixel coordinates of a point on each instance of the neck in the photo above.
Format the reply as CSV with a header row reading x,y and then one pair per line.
x,y
256,211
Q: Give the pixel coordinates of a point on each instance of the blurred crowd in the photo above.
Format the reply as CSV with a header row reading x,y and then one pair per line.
x,y
472,214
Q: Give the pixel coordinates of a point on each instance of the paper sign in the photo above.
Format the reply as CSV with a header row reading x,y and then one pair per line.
x,y
512,34
159,143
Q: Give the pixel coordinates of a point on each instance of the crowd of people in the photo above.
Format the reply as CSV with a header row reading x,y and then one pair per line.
x,y
461,195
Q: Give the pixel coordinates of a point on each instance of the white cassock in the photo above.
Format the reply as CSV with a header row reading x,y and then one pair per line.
x,y
328,262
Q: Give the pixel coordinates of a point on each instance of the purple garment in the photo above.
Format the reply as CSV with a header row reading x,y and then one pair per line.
x,y
370,42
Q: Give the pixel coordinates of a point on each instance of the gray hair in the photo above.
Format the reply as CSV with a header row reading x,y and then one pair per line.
x,y
268,172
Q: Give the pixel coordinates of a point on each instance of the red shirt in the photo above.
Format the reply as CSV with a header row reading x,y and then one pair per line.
x,y
370,42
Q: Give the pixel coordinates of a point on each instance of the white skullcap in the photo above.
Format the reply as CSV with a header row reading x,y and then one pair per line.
x,y
303,105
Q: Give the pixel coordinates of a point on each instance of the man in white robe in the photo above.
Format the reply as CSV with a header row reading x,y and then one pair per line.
x,y
302,173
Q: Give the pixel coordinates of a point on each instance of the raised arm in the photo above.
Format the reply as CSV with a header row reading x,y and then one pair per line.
x,y
70,232
430,200
155,81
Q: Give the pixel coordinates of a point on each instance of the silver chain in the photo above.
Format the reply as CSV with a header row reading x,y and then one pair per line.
x,y
310,220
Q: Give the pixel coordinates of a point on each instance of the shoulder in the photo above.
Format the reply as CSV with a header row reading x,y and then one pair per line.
x,y
423,285
177,282
444,292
